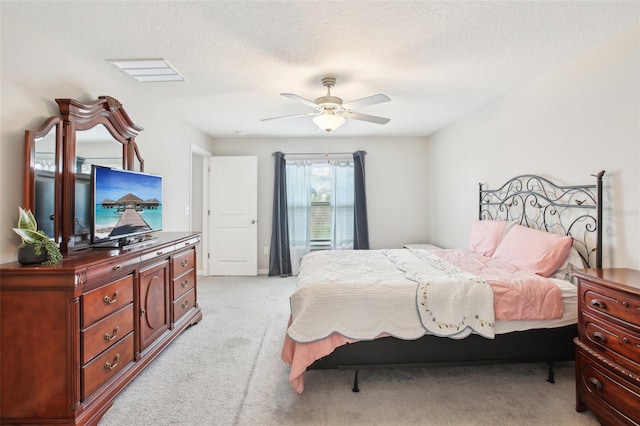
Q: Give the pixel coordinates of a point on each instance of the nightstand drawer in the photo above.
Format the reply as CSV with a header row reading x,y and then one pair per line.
x,y
613,304
602,387
623,344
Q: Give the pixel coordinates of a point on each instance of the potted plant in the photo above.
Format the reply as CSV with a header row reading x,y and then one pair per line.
x,y
36,246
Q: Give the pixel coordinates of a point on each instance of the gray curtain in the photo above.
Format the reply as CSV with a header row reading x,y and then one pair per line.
x,y
280,257
360,225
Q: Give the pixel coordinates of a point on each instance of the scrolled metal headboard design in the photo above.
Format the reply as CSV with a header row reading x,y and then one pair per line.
x,y
538,203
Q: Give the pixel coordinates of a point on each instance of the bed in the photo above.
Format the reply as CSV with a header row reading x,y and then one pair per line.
x,y
416,307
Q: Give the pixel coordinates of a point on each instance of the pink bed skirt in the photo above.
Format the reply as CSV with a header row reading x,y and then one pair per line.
x,y
302,355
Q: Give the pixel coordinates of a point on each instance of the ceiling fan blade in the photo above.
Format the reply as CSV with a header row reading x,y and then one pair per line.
x,y
307,102
367,117
289,116
369,100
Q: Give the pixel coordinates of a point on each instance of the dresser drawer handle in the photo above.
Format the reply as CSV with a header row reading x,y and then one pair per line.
x,y
185,304
625,340
159,253
184,263
625,303
599,337
117,267
596,383
113,299
113,335
184,283
597,303
110,366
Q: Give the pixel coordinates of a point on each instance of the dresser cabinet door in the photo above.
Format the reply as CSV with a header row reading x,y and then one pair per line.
x,y
154,303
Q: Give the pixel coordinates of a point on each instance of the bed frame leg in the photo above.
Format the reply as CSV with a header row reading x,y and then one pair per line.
x,y
355,382
551,378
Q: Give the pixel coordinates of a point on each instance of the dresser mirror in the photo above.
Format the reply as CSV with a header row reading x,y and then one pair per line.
x,y
59,157
42,150
94,146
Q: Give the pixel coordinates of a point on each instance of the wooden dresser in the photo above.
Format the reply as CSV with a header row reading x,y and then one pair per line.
x,y
74,335
608,346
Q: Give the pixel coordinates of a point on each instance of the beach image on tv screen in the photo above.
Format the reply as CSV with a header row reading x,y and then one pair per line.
x,y
126,203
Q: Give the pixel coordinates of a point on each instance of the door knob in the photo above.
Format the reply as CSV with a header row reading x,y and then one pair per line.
x,y
253,221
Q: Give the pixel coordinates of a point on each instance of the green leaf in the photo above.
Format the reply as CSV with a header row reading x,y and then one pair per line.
x,y
26,220
29,236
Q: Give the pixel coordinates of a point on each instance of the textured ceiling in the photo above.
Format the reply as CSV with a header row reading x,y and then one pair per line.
x,y
436,60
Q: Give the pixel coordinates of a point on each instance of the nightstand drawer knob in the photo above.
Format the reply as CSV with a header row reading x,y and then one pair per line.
x,y
599,337
596,383
597,303
625,340
625,303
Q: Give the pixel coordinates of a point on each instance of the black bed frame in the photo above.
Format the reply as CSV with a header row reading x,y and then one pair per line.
x,y
529,200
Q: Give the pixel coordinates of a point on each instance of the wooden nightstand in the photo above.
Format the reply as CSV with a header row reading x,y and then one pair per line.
x,y
608,346
422,246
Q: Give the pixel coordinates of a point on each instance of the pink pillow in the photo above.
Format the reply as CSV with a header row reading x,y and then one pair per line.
x,y
486,235
533,250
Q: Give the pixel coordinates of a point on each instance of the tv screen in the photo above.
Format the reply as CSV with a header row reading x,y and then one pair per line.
x,y
125,203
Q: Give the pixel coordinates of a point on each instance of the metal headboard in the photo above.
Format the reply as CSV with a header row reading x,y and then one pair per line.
x,y
538,203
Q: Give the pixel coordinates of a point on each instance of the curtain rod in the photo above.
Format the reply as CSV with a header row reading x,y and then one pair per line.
x,y
317,153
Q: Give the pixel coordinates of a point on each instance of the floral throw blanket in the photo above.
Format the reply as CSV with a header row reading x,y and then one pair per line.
x,y
450,301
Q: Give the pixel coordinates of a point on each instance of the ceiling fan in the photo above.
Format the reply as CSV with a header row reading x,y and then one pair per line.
x,y
330,112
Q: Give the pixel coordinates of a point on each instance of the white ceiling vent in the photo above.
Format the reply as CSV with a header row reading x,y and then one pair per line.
x,y
148,70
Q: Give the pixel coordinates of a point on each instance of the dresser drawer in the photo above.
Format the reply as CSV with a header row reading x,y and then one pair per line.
x,y
105,300
190,242
106,366
107,332
117,265
610,303
157,253
600,387
183,284
183,304
183,262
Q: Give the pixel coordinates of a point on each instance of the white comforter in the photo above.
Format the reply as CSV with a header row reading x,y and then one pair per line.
x,y
403,293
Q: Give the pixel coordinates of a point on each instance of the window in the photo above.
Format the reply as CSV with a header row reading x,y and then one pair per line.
x,y
320,214
320,203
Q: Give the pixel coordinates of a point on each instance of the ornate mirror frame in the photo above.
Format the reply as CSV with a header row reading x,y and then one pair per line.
x,y
76,117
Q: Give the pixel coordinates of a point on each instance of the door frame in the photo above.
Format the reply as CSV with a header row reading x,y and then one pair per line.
x,y
202,187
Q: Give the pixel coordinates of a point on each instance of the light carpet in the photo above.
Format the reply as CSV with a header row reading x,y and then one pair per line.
x,y
227,370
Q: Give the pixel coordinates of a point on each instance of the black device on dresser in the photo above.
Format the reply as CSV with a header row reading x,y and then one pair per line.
x,y
608,345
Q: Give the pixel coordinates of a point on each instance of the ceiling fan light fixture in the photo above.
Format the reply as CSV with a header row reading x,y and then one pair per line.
x,y
328,121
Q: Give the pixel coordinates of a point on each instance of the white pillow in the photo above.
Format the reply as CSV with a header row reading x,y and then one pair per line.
x,y
574,261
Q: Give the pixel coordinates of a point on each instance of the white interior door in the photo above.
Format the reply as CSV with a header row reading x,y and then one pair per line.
x,y
233,199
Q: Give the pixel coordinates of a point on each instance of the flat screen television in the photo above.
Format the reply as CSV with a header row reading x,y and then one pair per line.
x,y
127,206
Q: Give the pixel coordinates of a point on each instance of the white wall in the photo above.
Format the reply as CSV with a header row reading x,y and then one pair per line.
x,y
566,125
30,82
395,170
